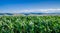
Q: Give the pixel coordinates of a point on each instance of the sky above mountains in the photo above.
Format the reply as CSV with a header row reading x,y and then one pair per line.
x,y
27,6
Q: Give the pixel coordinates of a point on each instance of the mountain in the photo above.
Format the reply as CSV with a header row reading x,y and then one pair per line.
x,y
6,14
30,13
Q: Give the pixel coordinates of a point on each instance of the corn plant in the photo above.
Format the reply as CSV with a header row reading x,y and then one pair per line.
x,y
29,24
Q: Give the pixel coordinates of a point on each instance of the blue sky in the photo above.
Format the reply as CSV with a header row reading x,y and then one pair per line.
x,y
27,6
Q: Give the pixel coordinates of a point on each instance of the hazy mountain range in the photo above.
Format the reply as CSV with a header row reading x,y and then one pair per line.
x,y
29,13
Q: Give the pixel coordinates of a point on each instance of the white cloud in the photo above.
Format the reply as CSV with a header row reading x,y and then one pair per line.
x,y
41,10
32,10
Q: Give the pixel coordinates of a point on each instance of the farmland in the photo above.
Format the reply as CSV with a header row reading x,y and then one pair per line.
x,y
29,24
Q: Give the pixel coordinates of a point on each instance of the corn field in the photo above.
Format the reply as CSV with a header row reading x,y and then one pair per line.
x,y
29,24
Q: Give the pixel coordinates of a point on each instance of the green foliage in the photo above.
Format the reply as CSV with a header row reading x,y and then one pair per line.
x,y
29,24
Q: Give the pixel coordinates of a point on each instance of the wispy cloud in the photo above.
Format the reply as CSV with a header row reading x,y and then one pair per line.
x,y
32,10
41,10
